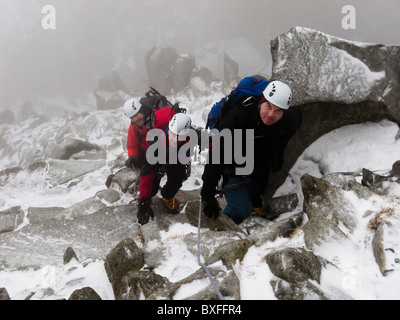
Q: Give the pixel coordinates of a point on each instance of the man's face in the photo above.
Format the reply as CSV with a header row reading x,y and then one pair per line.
x,y
138,119
270,113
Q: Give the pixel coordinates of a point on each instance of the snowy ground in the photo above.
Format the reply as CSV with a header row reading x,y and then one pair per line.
x,y
371,145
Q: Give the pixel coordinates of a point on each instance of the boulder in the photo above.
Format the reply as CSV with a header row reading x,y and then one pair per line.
x,y
92,236
336,83
385,244
7,117
69,254
181,72
136,285
329,212
69,147
125,257
159,63
125,180
169,71
62,171
86,293
10,219
396,169
4,294
294,264
231,71
331,69
111,92
297,270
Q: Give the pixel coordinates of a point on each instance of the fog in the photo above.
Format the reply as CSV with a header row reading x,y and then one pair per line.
x,y
92,37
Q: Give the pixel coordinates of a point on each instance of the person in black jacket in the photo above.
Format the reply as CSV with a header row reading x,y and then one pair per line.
x,y
274,122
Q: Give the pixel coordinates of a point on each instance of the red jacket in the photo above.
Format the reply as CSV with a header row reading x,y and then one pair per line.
x,y
137,143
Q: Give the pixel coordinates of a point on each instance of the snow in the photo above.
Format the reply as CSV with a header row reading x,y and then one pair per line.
x,y
348,149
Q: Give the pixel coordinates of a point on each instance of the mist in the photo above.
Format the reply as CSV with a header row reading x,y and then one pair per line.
x,y
94,37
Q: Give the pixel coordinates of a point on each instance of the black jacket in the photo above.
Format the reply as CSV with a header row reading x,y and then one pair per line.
x,y
269,144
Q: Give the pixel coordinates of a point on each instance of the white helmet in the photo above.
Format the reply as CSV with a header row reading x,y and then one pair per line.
x,y
180,123
131,107
279,94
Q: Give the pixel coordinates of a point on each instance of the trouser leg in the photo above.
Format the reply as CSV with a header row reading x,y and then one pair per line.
x,y
176,174
239,205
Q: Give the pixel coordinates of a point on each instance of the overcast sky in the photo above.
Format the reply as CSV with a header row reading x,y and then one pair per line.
x,y
91,36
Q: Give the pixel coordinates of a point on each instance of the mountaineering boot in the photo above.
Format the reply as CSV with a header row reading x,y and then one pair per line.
x,y
172,205
144,211
260,212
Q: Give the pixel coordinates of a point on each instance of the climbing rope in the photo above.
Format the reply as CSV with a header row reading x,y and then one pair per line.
x,y
221,297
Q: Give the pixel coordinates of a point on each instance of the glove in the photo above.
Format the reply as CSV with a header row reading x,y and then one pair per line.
x,y
144,211
133,162
211,208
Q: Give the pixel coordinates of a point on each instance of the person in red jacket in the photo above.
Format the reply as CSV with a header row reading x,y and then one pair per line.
x,y
176,173
136,141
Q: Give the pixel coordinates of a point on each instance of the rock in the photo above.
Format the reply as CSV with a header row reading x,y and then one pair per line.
x,y
69,254
385,244
223,222
198,86
282,204
8,175
181,72
110,92
294,264
37,215
86,293
372,180
371,69
108,195
396,169
231,71
123,180
85,207
4,294
305,290
10,219
283,228
336,83
169,71
92,237
62,171
139,285
125,257
159,64
229,288
298,268
70,147
7,117
230,252
329,213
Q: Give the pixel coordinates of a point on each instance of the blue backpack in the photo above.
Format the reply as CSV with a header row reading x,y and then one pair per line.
x,y
247,87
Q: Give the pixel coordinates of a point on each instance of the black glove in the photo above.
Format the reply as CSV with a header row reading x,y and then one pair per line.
x,y
144,211
211,208
133,162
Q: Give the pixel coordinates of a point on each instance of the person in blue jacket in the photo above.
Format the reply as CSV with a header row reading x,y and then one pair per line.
x,y
274,122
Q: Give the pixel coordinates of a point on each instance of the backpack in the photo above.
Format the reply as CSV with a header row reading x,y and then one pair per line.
x,y
247,87
162,109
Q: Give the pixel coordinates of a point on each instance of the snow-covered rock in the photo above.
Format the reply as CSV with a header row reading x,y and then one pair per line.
x,y
320,67
335,82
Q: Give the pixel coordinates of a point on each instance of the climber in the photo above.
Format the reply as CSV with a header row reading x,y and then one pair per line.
x,y
136,142
273,123
151,174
